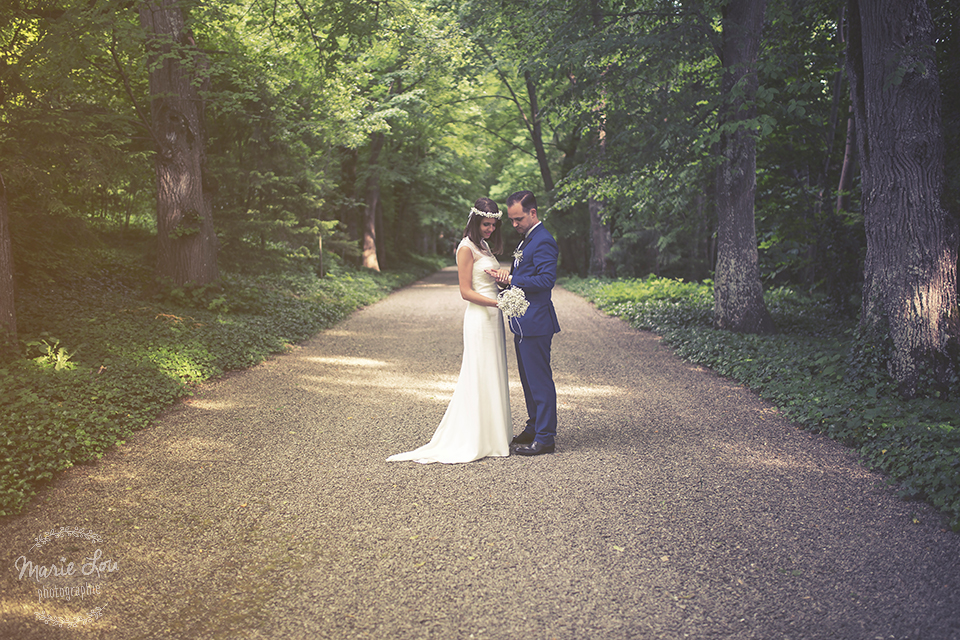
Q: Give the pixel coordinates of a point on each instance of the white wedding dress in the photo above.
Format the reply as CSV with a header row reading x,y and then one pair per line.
x,y
477,423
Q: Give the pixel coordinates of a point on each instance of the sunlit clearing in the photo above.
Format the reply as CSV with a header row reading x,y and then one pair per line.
x,y
198,447
402,384
12,609
209,405
759,458
589,392
26,610
349,362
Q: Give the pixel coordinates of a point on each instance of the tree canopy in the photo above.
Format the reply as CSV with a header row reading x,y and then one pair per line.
x,y
360,132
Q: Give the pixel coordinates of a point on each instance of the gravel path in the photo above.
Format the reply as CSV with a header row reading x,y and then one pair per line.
x,y
677,505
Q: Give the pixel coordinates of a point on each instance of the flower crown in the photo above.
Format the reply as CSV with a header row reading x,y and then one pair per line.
x,y
486,214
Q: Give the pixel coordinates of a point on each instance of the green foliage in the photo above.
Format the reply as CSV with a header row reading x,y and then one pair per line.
x,y
53,419
124,350
52,356
606,293
70,142
812,372
296,93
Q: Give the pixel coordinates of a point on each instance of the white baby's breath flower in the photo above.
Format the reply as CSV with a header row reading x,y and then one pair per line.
x,y
512,302
518,255
486,214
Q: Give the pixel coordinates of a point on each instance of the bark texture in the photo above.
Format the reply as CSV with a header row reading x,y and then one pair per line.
x,y
601,236
601,240
536,135
846,170
186,237
370,260
910,271
738,295
8,310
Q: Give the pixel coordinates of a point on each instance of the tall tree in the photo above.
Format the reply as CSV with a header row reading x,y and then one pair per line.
x,y
8,311
738,295
186,238
601,239
512,36
910,272
535,125
370,260
641,78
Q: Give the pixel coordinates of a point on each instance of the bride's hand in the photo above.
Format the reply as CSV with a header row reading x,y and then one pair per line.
x,y
502,276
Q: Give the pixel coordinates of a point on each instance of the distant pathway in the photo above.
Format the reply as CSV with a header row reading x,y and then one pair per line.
x,y
678,505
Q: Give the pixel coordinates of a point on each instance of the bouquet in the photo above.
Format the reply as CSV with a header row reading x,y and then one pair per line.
x,y
512,302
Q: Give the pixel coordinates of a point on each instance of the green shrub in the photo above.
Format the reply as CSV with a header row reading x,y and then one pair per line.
x,y
52,419
111,349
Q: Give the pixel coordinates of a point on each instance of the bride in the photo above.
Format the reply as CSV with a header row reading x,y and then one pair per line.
x,y
477,422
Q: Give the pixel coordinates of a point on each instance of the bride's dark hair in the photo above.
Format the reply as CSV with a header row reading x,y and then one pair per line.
x,y
473,226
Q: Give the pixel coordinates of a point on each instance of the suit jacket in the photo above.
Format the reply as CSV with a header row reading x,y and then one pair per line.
x,y
536,274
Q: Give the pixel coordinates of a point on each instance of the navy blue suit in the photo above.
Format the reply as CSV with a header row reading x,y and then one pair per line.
x,y
536,274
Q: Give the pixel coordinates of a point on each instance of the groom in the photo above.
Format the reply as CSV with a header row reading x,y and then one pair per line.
x,y
535,272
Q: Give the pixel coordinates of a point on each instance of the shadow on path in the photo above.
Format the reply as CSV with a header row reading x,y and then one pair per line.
x,y
678,505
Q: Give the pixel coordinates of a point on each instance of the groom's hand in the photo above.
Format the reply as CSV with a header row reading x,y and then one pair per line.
x,y
502,276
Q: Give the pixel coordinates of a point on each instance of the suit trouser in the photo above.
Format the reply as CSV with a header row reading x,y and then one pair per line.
x,y
539,391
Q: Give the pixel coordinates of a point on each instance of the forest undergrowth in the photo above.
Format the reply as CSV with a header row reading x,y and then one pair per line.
x,y
807,372
105,349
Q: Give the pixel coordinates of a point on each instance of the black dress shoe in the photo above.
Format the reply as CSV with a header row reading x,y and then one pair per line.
x,y
523,438
535,448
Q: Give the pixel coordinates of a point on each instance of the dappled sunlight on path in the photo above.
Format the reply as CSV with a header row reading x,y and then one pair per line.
x,y
677,505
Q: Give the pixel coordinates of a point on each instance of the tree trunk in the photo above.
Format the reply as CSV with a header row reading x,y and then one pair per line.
x,y
186,237
910,271
382,250
705,241
738,295
349,209
846,171
601,240
600,235
536,135
8,310
373,200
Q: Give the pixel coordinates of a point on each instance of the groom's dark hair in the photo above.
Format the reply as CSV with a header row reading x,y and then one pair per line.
x,y
526,199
